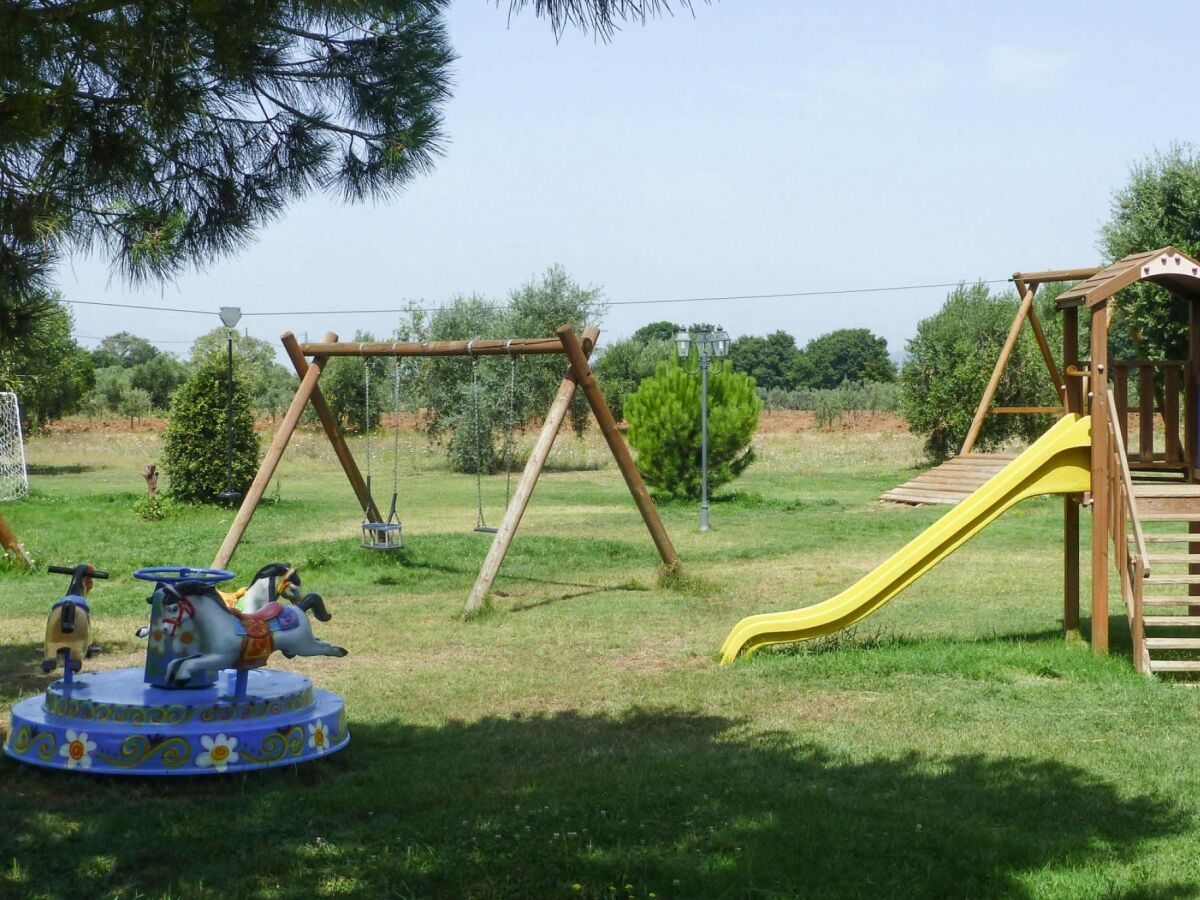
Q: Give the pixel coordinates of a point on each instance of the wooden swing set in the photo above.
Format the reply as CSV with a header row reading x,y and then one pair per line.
x,y
309,360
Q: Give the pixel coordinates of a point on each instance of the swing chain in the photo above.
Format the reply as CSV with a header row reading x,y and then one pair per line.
x,y
480,522
509,438
367,424
396,426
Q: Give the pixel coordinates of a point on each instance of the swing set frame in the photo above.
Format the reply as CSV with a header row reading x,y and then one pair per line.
x,y
309,360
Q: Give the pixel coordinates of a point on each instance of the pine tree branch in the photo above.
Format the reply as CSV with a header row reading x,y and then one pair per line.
x,y
319,122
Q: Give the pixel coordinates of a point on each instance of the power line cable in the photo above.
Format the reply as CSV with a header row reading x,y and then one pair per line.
x,y
177,309
729,297
783,295
92,337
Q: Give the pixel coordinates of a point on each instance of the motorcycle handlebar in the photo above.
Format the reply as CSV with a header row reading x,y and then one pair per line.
x,y
70,570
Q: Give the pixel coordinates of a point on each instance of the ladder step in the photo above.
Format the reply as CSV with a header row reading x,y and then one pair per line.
x,y
1172,558
1152,538
1173,579
1181,600
1164,643
1170,517
1172,621
1175,665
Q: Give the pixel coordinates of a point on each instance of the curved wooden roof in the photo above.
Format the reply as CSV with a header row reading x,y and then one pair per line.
x,y
1175,271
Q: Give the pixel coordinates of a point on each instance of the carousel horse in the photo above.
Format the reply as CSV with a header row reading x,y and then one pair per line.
x,y
227,638
68,628
275,581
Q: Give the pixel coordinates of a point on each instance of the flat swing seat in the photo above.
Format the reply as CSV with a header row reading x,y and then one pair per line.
x,y
382,535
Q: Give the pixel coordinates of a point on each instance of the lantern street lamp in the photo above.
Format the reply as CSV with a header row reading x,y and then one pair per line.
x,y
230,316
709,345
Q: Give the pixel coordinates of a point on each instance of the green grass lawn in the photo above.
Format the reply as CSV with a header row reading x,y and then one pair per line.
x,y
580,740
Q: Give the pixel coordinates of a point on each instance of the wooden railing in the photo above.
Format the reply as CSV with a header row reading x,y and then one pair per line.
x,y
1122,514
1154,395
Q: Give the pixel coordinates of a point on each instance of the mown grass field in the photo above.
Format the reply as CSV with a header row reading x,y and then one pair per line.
x,y
580,739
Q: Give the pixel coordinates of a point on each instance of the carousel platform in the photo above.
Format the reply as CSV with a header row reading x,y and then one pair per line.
x,y
115,723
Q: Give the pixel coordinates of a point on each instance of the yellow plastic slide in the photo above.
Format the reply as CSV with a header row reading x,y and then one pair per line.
x,y
1056,463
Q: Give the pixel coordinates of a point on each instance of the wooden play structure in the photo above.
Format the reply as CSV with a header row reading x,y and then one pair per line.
x,y
309,360
1136,465
1165,494
1145,463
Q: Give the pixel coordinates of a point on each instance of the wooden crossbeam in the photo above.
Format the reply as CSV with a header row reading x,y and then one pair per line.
x,y
1027,410
1053,275
515,347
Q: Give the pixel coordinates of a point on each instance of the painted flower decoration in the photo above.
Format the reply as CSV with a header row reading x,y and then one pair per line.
x,y
185,638
159,638
318,736
77,749
220,751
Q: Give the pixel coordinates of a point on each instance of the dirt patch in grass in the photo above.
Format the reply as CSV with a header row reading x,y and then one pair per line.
x,y
786,421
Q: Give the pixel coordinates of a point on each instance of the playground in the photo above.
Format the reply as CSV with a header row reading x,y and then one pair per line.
x,y
580,739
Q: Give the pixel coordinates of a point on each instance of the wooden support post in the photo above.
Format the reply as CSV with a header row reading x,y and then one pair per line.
x,y
989,393
1100,479
529,477
1071,397
1173,451
1191,397
1072,386
1145,414
329,422
16,550
616,443
1071,566
266,469
1047,357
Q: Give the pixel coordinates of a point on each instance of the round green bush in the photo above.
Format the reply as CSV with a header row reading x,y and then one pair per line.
x,y
664,428
950,361
194,442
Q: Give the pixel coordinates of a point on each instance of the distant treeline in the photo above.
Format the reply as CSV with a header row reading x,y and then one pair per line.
x,y
851,356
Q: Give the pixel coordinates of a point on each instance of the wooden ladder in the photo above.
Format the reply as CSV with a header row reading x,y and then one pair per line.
x,y
1171,602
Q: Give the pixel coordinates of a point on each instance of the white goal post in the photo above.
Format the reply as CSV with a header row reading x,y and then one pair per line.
x,y
14,478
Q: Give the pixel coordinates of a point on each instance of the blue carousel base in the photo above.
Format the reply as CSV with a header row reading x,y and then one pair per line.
x,y
115,724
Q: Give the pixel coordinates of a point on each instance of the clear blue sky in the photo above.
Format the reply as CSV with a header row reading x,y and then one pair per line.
x,y
756,146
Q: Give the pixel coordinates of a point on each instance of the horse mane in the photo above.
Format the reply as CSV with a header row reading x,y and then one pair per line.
x,y
274,569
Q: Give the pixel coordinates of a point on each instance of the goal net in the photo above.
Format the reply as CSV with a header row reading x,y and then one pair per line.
x,y
14,480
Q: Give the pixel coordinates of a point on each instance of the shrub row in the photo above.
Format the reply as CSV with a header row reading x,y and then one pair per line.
x,y
831,404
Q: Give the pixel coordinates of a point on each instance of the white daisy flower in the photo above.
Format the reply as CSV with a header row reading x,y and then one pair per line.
x,y
77,749
318,736
219,752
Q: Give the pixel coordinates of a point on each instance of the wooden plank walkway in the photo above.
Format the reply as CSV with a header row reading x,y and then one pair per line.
x,y
952,481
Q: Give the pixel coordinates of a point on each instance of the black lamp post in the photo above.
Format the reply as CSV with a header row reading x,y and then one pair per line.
x,y
709,345
230,316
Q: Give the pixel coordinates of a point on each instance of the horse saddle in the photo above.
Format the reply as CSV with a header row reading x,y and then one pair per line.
x,y
257,631
272,617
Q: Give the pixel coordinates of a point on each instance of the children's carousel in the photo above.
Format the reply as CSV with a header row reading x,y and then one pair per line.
x,y
204,702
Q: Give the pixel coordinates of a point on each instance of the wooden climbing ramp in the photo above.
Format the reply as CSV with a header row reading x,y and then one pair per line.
x,y
952,481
